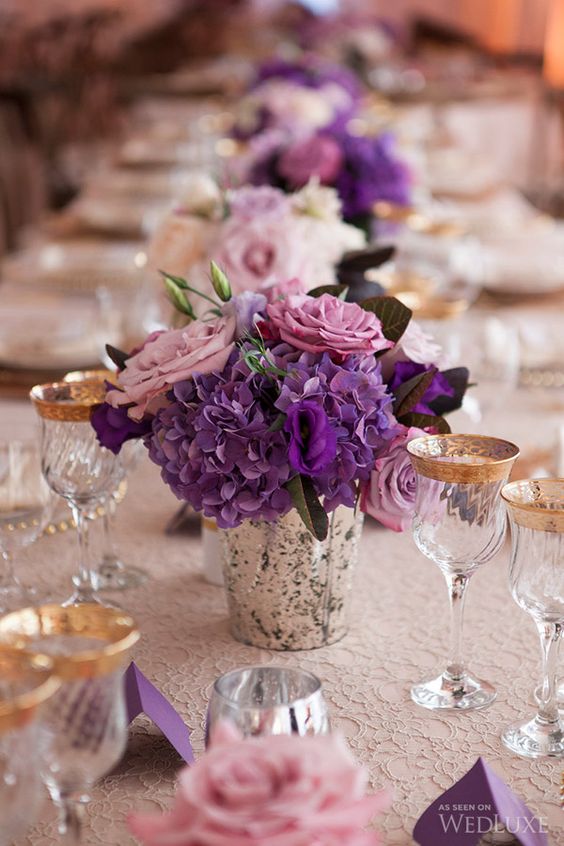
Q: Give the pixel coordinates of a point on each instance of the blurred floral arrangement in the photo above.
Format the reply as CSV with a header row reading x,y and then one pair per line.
x,y
257,235
282,398
265,791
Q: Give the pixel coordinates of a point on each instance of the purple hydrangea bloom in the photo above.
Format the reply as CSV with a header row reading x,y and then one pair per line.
x,y
113,427
358,406
216,450
313,442
371,172
439,387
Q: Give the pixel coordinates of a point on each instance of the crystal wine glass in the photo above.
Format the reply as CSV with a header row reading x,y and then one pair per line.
x,y
269,700
26,504
113,573
84,728
74,464
536,515
26,683
459,524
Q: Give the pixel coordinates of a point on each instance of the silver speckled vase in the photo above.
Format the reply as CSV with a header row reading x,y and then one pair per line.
x,y
285,589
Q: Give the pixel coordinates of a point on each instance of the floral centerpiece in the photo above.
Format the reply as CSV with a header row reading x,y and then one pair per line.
x,y
297,97
275,413
257,235
268,791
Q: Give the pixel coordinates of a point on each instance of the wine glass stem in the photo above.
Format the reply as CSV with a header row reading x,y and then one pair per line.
x,y
8,575
84,590
457,584
108,520
550,634
71,816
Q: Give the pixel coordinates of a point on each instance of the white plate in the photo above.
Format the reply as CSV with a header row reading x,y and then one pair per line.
x,y
525,263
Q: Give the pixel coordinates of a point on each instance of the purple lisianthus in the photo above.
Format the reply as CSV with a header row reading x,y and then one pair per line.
x,y
439,387
313,443
248,308
358,407
371,171
113,427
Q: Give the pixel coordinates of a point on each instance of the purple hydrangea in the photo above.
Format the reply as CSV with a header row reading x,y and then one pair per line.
x,y
216,450
371,171
359,408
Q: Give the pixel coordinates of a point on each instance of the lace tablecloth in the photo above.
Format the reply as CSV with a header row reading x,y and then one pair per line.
x,y
399,634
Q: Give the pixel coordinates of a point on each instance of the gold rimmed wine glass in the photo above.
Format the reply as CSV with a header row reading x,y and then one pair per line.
x,y
84,727
74,464
459,524
536,516
26,684
112,573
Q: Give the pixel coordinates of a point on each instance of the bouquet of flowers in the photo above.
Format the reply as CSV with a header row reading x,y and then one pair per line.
x,y
363,169
267,791
257,235
298,97
282,399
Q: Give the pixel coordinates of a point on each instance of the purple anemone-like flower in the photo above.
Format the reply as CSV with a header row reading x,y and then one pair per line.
x,y
439,387
313,442
114,427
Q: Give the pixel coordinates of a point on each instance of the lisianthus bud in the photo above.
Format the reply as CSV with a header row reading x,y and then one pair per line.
x,y
220,282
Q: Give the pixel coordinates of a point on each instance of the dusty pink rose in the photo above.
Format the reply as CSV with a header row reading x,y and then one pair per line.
x,y
263,201
276,290
327,324
268,791
318,156
389,496
174,355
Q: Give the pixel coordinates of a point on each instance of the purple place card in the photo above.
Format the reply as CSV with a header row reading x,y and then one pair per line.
x,y
472,807
142,697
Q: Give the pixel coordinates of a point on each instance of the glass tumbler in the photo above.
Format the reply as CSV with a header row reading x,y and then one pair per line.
x,y
26,684
536,515
269,700
459,524
84,728
74,464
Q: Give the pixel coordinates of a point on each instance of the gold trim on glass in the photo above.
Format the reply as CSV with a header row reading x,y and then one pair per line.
x,y
91,376
68,401
27,628
463,459
416,220
35,674
536,503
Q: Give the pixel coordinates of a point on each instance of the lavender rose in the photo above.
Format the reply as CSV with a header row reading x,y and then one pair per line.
x,y
389,496
268,791
313,442
173,356
249,202
327,324
318,156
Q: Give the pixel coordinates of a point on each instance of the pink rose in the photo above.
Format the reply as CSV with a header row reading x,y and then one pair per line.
x,y
276,290
318,156
251,202
327,324
252,251
389,496
268,791
174,355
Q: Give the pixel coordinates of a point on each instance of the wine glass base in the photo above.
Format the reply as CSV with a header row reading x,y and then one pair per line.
x,y
118,576
534,740
449,694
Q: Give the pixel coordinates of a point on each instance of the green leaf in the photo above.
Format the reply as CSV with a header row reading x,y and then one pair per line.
x,y
178,298
409,393
307,504
220,283
425,421
393,315
278,423
117,356
334,290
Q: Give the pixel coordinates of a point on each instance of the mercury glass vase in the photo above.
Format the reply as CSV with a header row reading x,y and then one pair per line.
x,y
285,589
